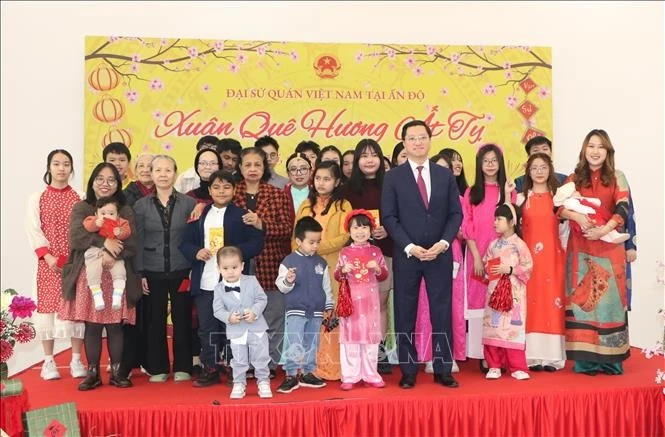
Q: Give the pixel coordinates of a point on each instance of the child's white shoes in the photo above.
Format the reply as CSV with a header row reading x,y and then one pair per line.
x,y
238,391
264,390
520,375
493,373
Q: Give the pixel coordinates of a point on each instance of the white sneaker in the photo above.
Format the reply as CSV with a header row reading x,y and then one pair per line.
x,y
429,367
77,369
238,391
264,390
49,371
455,367
520,374
493,373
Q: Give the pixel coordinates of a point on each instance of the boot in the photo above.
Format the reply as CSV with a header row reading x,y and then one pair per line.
x,y
117,379
92,379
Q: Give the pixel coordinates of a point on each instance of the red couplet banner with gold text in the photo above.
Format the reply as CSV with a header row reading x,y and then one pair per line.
x,y
161,95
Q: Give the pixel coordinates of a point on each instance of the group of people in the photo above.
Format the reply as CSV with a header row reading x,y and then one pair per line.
x,y
258,270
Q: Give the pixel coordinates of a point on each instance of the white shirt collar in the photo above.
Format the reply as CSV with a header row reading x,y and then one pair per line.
x,y
231,284
414,165
217,210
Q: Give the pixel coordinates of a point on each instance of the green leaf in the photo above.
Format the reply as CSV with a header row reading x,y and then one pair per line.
x,y
11,292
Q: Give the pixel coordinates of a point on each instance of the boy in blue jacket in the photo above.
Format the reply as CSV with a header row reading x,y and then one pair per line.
x,y
220,225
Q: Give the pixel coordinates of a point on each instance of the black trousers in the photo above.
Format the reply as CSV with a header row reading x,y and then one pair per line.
x,y
163,288
212,332
438,275
134,348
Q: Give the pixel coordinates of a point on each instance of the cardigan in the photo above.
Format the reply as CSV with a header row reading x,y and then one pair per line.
x,y
273,210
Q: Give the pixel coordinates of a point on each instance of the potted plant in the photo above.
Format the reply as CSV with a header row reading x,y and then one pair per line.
x,y
11,331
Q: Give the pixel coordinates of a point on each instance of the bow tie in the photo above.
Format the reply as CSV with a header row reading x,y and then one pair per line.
x,y
227,289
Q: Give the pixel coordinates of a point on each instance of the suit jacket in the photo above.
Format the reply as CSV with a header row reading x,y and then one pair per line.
x,y
252,297
236,233
273,210
403,212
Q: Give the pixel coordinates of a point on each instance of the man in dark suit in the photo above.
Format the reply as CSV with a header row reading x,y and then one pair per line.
x,y
421,211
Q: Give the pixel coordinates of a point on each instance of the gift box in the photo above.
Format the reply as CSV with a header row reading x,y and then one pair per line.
x,y
11,387
56,421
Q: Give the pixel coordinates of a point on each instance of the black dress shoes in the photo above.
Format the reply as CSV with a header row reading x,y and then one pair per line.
x,y
549,368
536,368
407,381
445,380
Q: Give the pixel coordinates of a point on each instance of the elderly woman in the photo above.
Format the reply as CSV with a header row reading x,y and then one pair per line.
x,y
104,182
268,210
143,185
161,218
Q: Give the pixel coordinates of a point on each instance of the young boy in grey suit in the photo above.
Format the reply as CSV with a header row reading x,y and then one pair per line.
x,y
239,302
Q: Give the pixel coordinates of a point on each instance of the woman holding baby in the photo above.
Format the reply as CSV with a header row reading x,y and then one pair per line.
x,y
596,321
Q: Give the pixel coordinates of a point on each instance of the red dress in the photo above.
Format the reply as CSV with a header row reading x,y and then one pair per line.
x,y
48,218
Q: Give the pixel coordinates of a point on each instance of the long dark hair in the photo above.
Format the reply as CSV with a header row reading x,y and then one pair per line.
x,y
90,196
337,193
47,178
453,154
355,182
582,170
477,193
552,181
396,151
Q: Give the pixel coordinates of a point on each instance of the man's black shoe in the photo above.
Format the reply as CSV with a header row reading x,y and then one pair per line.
x,y
446,380
407,381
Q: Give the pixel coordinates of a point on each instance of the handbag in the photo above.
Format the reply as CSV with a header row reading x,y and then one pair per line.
x,y
344,303
502,297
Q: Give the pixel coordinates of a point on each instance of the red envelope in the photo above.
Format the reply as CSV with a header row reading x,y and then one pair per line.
x,y
494,262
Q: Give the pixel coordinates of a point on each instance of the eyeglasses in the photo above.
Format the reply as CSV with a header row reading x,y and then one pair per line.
x,y
421,138
111,182
542,169
490,161
298,170
272,155
208,163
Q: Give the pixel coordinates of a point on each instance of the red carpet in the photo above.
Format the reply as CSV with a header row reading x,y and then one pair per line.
x,y
559,404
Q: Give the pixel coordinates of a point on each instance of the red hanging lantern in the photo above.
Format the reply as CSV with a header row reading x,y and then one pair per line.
x,y
103,78
108,109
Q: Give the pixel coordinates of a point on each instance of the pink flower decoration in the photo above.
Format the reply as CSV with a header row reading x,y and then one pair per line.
x,y
359,57
479,69
460,70
113,38
444,91
506,65
294,55
261,50
390,53
241,58
136,57
205,88
508,74
157,115
167,146
489,90
193,52
6,350
410,61
234,68
489,117
511,101
454,58
418,71
543,92
188,65
431,50
219,46
22,307
164,42
156,85
134,68
132,96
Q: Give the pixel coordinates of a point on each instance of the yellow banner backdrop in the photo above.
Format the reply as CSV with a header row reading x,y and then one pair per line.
x,y
162,95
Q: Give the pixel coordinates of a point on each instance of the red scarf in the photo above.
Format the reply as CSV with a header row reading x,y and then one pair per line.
x,y
145,190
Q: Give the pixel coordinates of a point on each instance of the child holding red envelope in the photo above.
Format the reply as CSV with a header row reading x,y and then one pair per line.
x,y
508,264
109,225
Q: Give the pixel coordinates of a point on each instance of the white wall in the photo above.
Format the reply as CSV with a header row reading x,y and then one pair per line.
x,y
608,73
